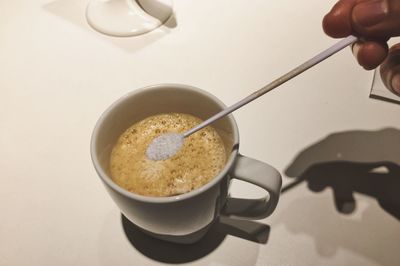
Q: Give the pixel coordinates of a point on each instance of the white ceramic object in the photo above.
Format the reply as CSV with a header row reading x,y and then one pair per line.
x,y
184,218
124,18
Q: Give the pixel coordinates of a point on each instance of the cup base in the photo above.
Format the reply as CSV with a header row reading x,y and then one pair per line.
x,y
125,18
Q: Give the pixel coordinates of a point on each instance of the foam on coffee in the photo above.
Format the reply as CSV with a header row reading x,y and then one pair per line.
x,y
201,157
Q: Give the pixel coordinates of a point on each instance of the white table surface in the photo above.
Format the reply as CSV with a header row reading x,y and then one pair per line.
x,y
57,75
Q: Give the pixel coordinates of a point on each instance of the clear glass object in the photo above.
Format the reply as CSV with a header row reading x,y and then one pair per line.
x,y
125,18
379,91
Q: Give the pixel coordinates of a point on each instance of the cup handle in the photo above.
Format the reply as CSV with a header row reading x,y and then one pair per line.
x,y
259,174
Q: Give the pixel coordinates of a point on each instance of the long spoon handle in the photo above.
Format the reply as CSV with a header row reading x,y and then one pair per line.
x,y
291,74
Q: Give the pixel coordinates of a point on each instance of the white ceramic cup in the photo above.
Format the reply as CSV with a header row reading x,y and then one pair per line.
x,y
184,218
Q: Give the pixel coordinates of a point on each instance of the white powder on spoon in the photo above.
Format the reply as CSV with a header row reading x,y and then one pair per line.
x,y
164,146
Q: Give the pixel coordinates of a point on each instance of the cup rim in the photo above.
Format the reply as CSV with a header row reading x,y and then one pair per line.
x,y
151,199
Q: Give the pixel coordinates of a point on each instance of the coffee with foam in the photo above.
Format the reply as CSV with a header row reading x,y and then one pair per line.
x,y
200,159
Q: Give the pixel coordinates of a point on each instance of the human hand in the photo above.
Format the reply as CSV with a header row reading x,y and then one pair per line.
x,y
374,22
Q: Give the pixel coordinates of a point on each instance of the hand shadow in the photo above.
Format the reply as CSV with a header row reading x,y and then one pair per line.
x,y
167,252
368,236
354,161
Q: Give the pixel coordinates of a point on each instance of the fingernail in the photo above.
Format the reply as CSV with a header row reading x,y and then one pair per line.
x,y
396,84
369,13
356,49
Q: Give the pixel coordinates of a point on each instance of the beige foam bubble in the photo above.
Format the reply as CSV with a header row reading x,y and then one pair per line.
x,y
201,157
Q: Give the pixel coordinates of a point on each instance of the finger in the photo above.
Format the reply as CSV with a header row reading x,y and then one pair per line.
x,y
376,18
337,23
370,54
390,70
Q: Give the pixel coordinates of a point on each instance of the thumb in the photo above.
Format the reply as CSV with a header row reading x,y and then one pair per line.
x,y
376,18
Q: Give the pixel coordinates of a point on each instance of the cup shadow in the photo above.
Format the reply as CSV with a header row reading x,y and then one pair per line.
x,y
73,11
166,252
366,162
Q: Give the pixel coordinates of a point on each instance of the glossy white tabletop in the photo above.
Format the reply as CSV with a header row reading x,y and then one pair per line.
x,y
57,75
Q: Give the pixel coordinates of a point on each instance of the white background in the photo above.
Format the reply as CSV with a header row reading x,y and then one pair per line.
x,y
57,76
